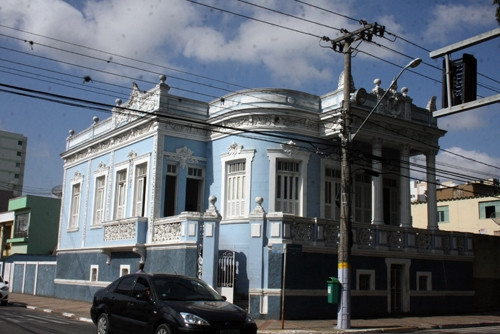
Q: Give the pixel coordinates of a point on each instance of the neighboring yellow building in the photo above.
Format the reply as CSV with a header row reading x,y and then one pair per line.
x,y
472,207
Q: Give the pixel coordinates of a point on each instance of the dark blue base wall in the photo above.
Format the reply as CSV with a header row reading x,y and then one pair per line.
x,y
307,273
74,269
176,261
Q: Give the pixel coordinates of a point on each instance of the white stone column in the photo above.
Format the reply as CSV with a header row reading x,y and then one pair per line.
x,y
377,184
404,187
431,191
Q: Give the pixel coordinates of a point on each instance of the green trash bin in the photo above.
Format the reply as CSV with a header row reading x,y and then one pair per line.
x,y
333,285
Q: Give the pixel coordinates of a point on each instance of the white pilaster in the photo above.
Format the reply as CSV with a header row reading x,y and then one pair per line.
x,y
377,184
404,187
431,191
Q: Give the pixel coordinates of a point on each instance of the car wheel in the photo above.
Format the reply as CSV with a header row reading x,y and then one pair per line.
x,y
103,324
163,329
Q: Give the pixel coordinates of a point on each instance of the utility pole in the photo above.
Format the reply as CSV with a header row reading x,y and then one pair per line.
x,y
344,45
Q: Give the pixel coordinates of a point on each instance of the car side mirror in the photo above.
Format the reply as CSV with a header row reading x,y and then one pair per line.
x,y
6,282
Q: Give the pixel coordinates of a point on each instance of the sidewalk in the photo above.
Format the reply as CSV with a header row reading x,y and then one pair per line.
x,y
81,311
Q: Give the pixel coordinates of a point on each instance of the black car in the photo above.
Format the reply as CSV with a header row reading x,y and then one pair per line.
x,y
166,304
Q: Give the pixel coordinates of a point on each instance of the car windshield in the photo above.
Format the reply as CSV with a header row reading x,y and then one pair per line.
x,y
184,289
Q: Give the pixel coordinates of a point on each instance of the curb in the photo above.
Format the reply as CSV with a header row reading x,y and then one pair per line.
x,y
339,331
46,310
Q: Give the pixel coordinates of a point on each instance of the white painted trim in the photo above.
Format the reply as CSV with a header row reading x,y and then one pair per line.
x,y
406,283
370,272
248,156
81,282
300,156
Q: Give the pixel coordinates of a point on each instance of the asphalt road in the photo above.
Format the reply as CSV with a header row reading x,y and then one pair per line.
x,y
21,320
468,330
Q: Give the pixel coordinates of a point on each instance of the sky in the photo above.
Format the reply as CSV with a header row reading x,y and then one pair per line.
x,y
95,49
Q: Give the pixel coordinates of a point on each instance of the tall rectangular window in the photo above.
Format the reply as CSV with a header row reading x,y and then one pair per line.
x,y
140,190
22,224
75,206
235,189
332,193
170,190
362,199
287,186
120,194
94,273
100,186
194,189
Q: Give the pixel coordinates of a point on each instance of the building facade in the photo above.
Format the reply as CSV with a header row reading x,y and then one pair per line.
x,y
12,161
228,190
473,207
29,231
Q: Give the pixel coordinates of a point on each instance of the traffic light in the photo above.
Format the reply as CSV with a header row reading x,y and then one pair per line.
x,y
463,78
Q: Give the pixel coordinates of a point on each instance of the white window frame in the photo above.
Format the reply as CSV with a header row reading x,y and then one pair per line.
x,y
140,188
289,186
330,210
427,274
124,269
98,211
75,202
120,209
201,184
369,272
173,171
297,156
94,273
242,155
362,198
235,189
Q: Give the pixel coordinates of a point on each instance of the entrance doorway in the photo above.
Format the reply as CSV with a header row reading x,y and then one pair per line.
x,y
398,286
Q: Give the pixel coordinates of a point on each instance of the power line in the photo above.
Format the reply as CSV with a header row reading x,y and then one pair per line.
x,y
334,28
255,19
103,107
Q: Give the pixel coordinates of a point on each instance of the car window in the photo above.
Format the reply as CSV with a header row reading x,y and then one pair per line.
x,y
184,289
141,288
125,286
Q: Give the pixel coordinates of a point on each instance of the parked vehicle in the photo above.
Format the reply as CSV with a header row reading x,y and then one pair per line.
x,y
166,304
4,292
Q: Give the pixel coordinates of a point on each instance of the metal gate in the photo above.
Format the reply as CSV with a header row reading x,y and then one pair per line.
x,y
226,274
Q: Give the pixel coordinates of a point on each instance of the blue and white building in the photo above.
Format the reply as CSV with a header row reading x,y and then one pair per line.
x,y
220,190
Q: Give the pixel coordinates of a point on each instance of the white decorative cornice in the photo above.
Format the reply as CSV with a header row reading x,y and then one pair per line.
x,y
132,155
184,156
102,167
290,148
110,143
78,177
234,149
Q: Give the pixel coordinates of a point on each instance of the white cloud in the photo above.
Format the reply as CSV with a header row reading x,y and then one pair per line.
x,y
449,19
465,121
460,165
471,163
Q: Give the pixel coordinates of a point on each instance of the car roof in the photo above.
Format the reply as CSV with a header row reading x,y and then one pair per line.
x,y
160,275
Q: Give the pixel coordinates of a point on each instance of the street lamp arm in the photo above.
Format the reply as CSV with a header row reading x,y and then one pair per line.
x,y
414,63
